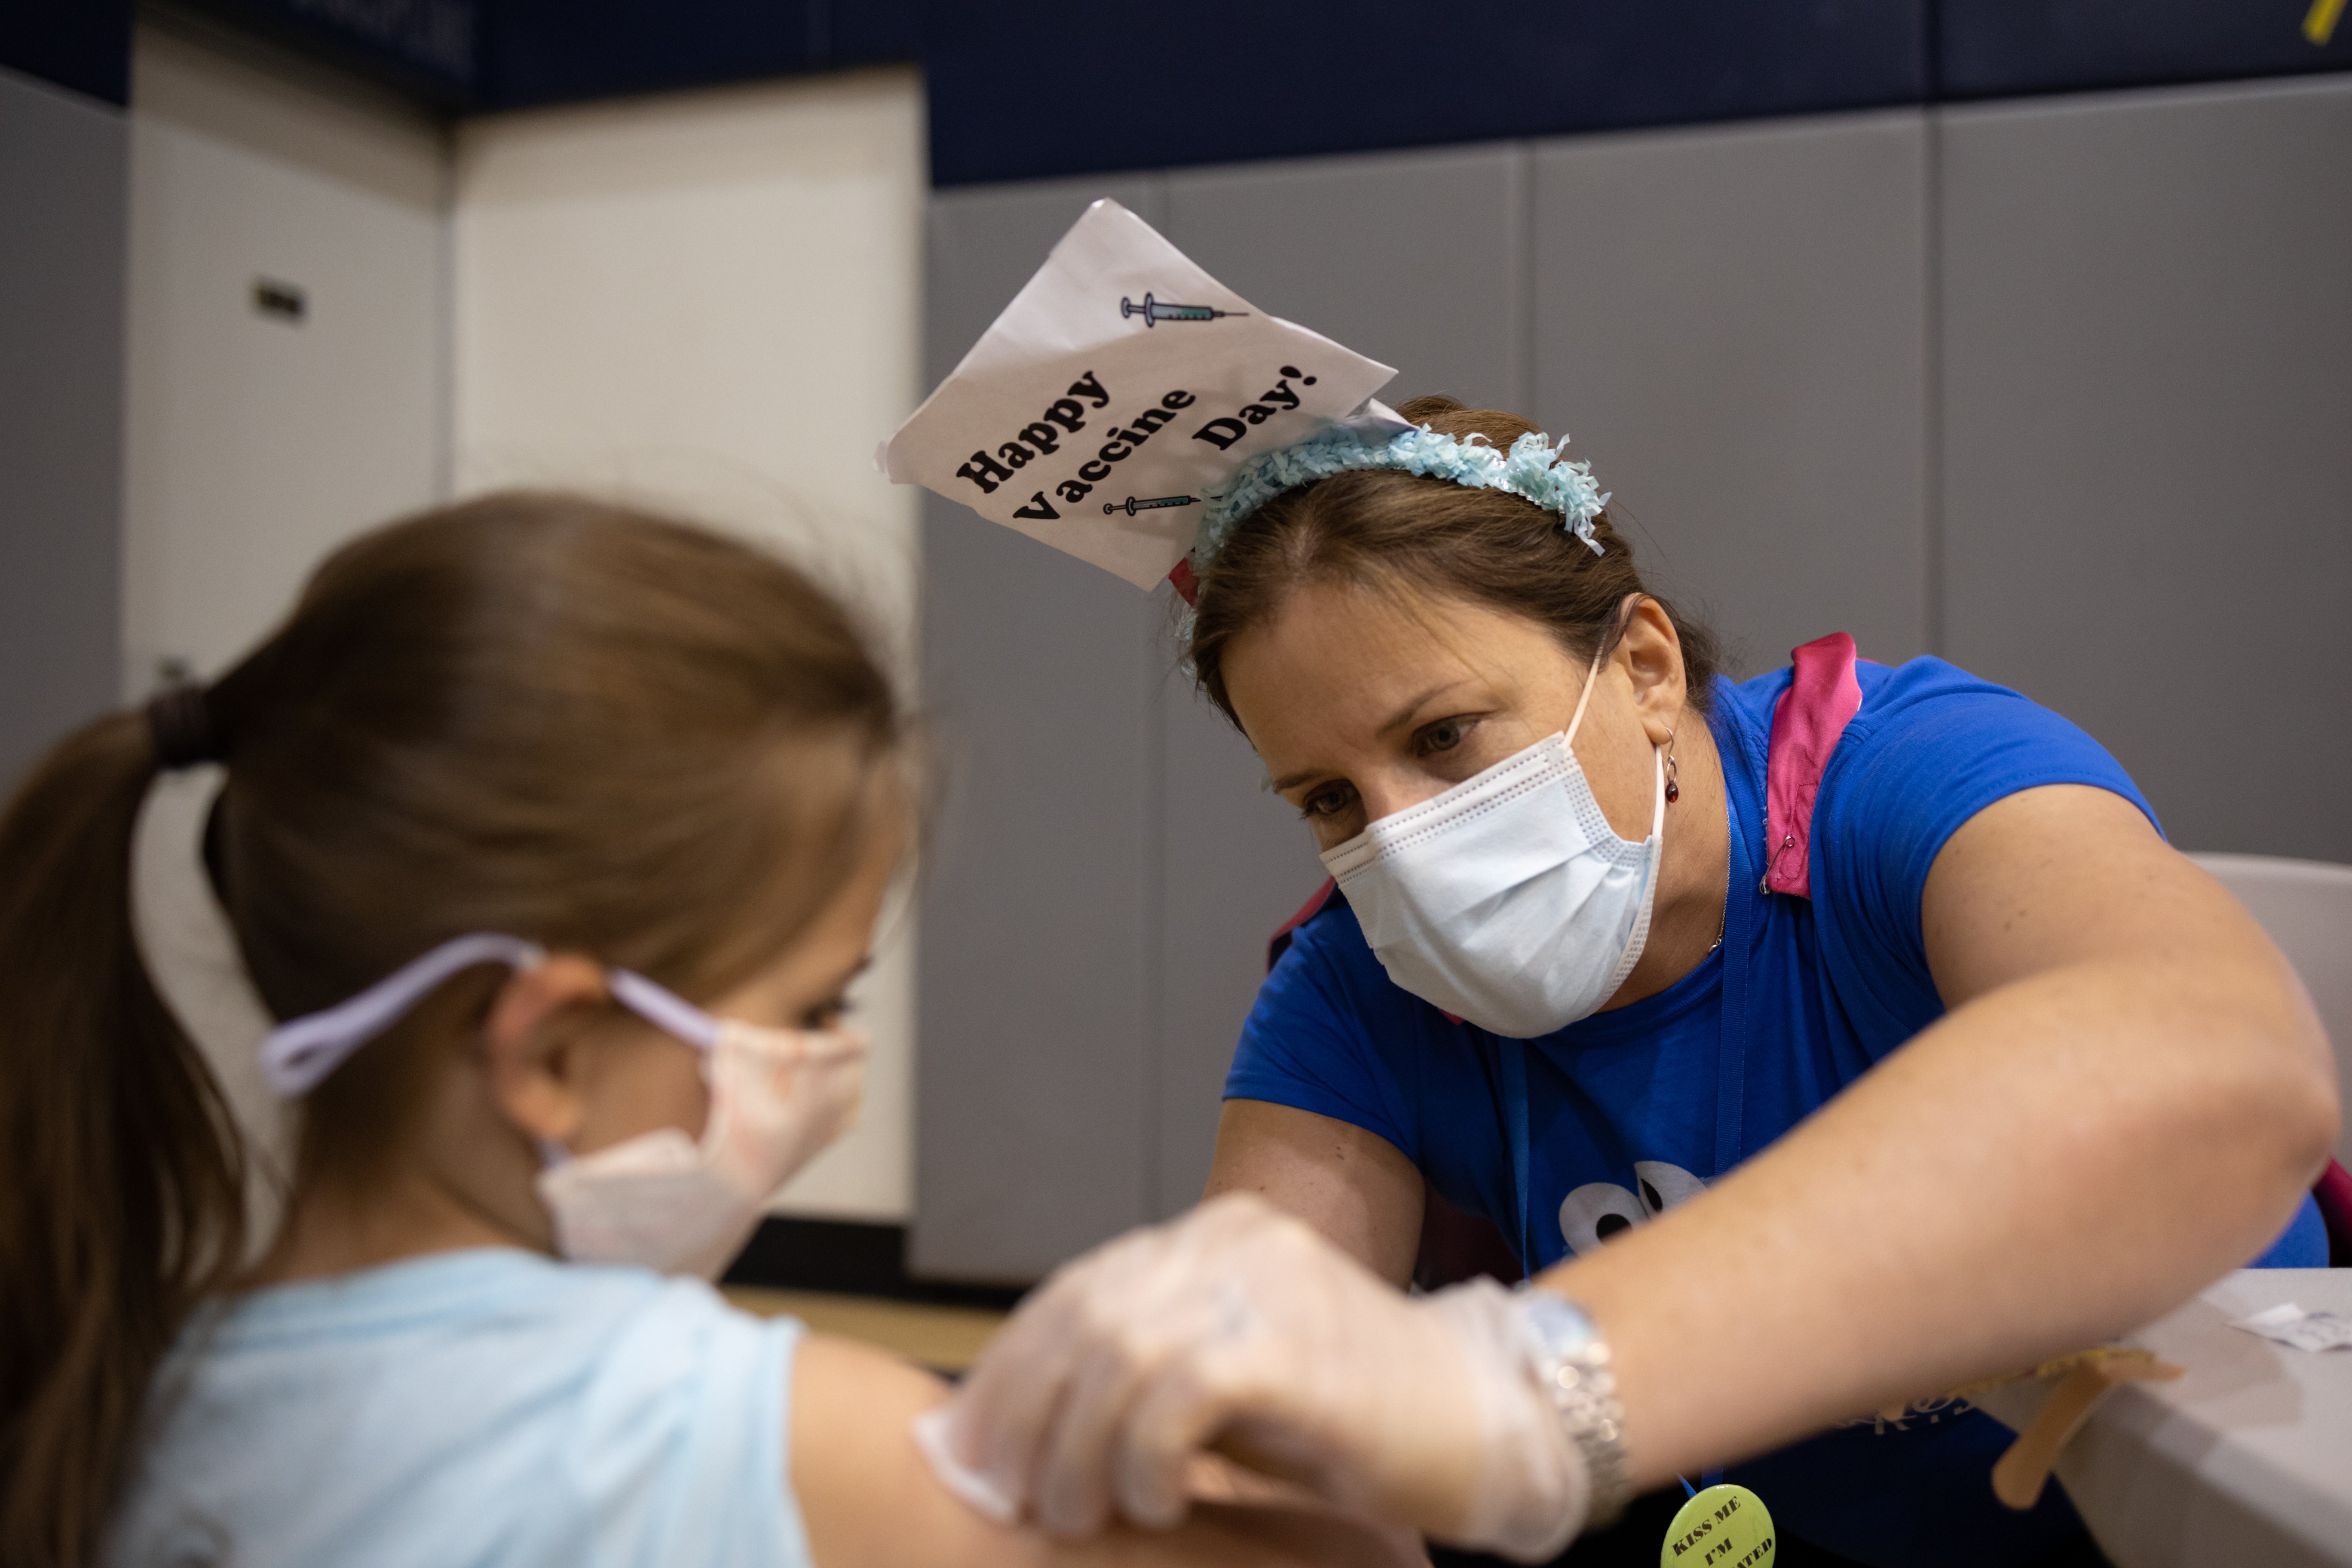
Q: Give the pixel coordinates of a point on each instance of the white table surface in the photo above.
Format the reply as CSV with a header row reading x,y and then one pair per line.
x,y
2246,1459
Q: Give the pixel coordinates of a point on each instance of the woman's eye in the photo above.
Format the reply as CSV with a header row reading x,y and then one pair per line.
x,y
1443,736
1328,801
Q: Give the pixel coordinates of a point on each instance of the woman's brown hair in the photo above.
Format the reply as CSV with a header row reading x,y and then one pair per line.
x,y
531,713
1394,531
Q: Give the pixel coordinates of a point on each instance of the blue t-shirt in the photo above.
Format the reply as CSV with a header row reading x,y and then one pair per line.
x,y
1619,1115
488,1407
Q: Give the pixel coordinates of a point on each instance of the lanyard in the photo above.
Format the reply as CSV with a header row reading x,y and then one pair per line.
x,y
1730,1064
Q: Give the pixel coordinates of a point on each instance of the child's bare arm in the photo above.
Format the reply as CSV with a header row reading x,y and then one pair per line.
x,y
871,1501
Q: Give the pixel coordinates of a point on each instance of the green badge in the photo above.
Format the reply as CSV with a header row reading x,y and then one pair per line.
x,y
1722,1527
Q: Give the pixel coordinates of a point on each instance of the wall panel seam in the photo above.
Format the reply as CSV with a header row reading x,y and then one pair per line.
x,y
1154,937
1520,219
1934,586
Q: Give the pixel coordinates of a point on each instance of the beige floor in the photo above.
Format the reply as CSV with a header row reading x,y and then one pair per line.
x,y
945,1339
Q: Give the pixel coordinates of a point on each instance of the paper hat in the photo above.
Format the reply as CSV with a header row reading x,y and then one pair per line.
x,y
1121,391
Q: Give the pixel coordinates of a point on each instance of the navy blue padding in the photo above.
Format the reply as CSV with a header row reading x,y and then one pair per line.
x,y
872,32
553,51
84,45
1996,49
1045,89
1049,87
429,48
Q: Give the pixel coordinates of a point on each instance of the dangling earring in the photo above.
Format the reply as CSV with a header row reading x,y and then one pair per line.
x,y
1673,772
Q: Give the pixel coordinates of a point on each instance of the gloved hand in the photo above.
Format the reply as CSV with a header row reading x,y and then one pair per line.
x,y
1237,1328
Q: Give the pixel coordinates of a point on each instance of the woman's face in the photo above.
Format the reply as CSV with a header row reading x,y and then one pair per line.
x,y
1362,702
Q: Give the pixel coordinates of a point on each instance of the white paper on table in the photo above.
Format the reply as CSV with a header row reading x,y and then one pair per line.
x,y
2291,1325
1121,375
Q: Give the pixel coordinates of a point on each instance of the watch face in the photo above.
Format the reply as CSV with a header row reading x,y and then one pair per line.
x,y
1562,1325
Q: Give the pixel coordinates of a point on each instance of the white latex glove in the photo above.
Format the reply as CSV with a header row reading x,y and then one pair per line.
x,y
1237,1328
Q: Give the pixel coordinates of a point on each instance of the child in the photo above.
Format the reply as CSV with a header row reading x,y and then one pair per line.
x,y
515,779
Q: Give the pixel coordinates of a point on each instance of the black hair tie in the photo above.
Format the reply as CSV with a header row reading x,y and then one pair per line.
x,y
181,724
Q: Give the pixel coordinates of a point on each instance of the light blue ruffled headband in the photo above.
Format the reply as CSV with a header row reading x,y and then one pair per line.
x,y
1531,471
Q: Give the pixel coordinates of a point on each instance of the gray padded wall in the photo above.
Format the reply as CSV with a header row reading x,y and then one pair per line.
x,y
2147,440
2138,369
1237,862
1444,303
1148,871
1417,260
1098,914
64,206
1731,325
1034,994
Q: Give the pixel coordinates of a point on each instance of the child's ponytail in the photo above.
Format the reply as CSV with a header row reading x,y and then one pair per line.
x,y
600,730
122,1189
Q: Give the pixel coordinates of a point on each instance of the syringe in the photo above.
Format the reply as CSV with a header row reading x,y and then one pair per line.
x,y
1134,506
1153,312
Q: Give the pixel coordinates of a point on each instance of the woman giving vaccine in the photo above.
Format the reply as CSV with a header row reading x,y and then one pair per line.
x,y
1819,1043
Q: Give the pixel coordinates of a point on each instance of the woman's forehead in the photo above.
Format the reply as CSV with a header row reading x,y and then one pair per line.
x,y
1341,656
1355,633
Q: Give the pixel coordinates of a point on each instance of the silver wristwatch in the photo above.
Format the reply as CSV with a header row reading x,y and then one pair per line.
x,y
1570,1362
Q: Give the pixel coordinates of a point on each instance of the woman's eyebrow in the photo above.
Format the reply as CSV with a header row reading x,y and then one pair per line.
x,y
1289,782
1402,717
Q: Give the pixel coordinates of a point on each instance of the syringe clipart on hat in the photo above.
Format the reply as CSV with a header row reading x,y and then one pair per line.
x,y
1134,505
1155,312
1130,434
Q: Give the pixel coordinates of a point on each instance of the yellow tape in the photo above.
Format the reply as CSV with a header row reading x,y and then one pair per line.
x,y
2319,22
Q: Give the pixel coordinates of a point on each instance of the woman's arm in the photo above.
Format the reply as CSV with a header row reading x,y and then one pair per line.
x,y
2126,1099
870,1501
2127,1095
1352,1185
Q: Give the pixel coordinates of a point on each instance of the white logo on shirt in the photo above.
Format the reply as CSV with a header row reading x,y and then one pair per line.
x,y
1598,1210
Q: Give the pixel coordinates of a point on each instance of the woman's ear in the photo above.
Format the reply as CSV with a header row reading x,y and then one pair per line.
x,y
1653,655
532,1045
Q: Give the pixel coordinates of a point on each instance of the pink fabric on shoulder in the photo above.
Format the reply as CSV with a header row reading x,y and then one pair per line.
x,y
1279,943
1811,715
2333,1191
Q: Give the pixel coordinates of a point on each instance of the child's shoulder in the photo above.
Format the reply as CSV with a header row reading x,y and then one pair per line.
x,y
443,1296
294,1416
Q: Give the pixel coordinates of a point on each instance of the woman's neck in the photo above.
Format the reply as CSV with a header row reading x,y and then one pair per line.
x,y
1695,879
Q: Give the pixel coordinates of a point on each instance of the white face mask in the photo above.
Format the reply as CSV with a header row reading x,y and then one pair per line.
x,y
1507,900
663,1201
660,1200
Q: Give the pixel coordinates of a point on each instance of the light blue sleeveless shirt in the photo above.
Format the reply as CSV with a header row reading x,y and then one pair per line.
x,y
476,1407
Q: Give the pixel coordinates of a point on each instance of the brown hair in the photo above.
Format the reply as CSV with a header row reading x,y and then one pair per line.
x,y
530,713
1389,530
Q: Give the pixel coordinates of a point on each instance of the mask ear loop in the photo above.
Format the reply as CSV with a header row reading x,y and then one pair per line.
x,y
681,1019
1658,753
665,1010
1592,676
1591,679
301,1053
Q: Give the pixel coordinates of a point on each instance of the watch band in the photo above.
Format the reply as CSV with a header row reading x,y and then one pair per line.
x,y
1570,1361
